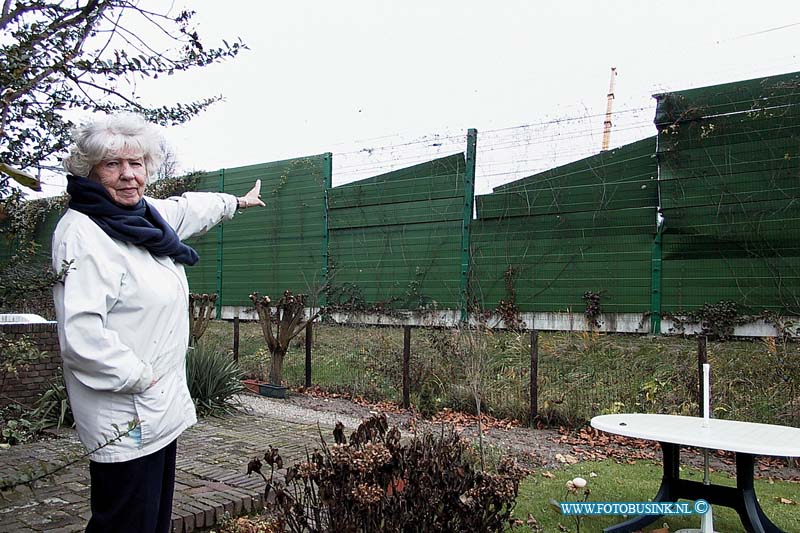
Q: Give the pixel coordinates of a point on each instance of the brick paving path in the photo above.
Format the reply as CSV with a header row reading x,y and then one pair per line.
x,y
210,479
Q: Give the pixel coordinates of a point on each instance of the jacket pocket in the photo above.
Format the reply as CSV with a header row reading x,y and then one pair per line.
x,y
167,360
158,410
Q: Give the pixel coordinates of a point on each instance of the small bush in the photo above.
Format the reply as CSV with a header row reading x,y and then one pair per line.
x,y
19,424
52,408
214,381
16,431
376,483
17,354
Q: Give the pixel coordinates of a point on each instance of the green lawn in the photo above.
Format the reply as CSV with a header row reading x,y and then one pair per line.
x,y
639,482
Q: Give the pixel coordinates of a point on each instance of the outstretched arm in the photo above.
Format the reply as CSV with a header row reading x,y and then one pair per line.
x,y
195,213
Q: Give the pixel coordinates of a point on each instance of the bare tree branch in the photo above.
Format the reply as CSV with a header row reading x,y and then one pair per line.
x,y
77,55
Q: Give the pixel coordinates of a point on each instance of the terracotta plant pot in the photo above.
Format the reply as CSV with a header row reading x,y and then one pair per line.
x,y
251,385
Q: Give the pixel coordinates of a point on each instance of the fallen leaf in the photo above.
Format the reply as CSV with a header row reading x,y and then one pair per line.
x,y
533,524
548,475
568,459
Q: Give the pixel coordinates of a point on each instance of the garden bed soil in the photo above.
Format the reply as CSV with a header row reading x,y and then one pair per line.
x,y
539,449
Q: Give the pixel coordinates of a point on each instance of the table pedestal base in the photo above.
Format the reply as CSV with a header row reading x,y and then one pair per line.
x,y
742,498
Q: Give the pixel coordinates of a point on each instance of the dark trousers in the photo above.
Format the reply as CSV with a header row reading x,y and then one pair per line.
x,y
134,496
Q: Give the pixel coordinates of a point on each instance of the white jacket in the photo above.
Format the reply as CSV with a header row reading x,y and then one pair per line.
x,y
123,320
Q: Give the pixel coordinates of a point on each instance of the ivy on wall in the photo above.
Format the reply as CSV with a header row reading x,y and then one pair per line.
x,y
168,187
26,279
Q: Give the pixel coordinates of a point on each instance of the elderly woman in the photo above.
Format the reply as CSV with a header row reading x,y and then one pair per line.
x,y
123,320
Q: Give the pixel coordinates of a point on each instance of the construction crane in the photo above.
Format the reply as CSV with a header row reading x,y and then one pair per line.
x,y
607,121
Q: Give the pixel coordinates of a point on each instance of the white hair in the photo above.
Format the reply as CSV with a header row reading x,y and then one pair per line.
x,y
109,138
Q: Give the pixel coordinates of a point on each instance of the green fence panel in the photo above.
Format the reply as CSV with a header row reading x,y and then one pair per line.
x,y
631,162
203,275
686,247
268,250
394,239
433,180
555,259
395,214
740,188
736,97
721,160
749,127
747,222
756,284
585,226
568,198
729,159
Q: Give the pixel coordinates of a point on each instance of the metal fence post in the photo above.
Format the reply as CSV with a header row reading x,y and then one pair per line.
x,y
406,365
469,205
655,283
534,375
327,174
219,250
236,336
702,358
309,337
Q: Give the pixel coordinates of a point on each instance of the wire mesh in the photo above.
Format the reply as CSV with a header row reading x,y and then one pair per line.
x,y
358,360
580,374
584,374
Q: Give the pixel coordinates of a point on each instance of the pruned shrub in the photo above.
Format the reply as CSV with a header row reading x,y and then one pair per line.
x,y
373,481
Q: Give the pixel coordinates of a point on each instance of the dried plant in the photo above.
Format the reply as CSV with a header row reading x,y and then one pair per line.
x,y
470,342
374,482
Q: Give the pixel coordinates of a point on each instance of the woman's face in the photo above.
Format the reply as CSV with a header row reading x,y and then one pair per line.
x,y
123,177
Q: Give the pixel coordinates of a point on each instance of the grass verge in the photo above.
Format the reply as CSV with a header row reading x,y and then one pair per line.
x,y
614,482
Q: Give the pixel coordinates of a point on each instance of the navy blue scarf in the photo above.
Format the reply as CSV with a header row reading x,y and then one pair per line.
x,y
140,224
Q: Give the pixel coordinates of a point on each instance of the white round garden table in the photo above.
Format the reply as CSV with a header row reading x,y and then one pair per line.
x,y
746,439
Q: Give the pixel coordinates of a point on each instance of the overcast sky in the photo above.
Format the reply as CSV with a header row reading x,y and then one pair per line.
x,y
383,84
